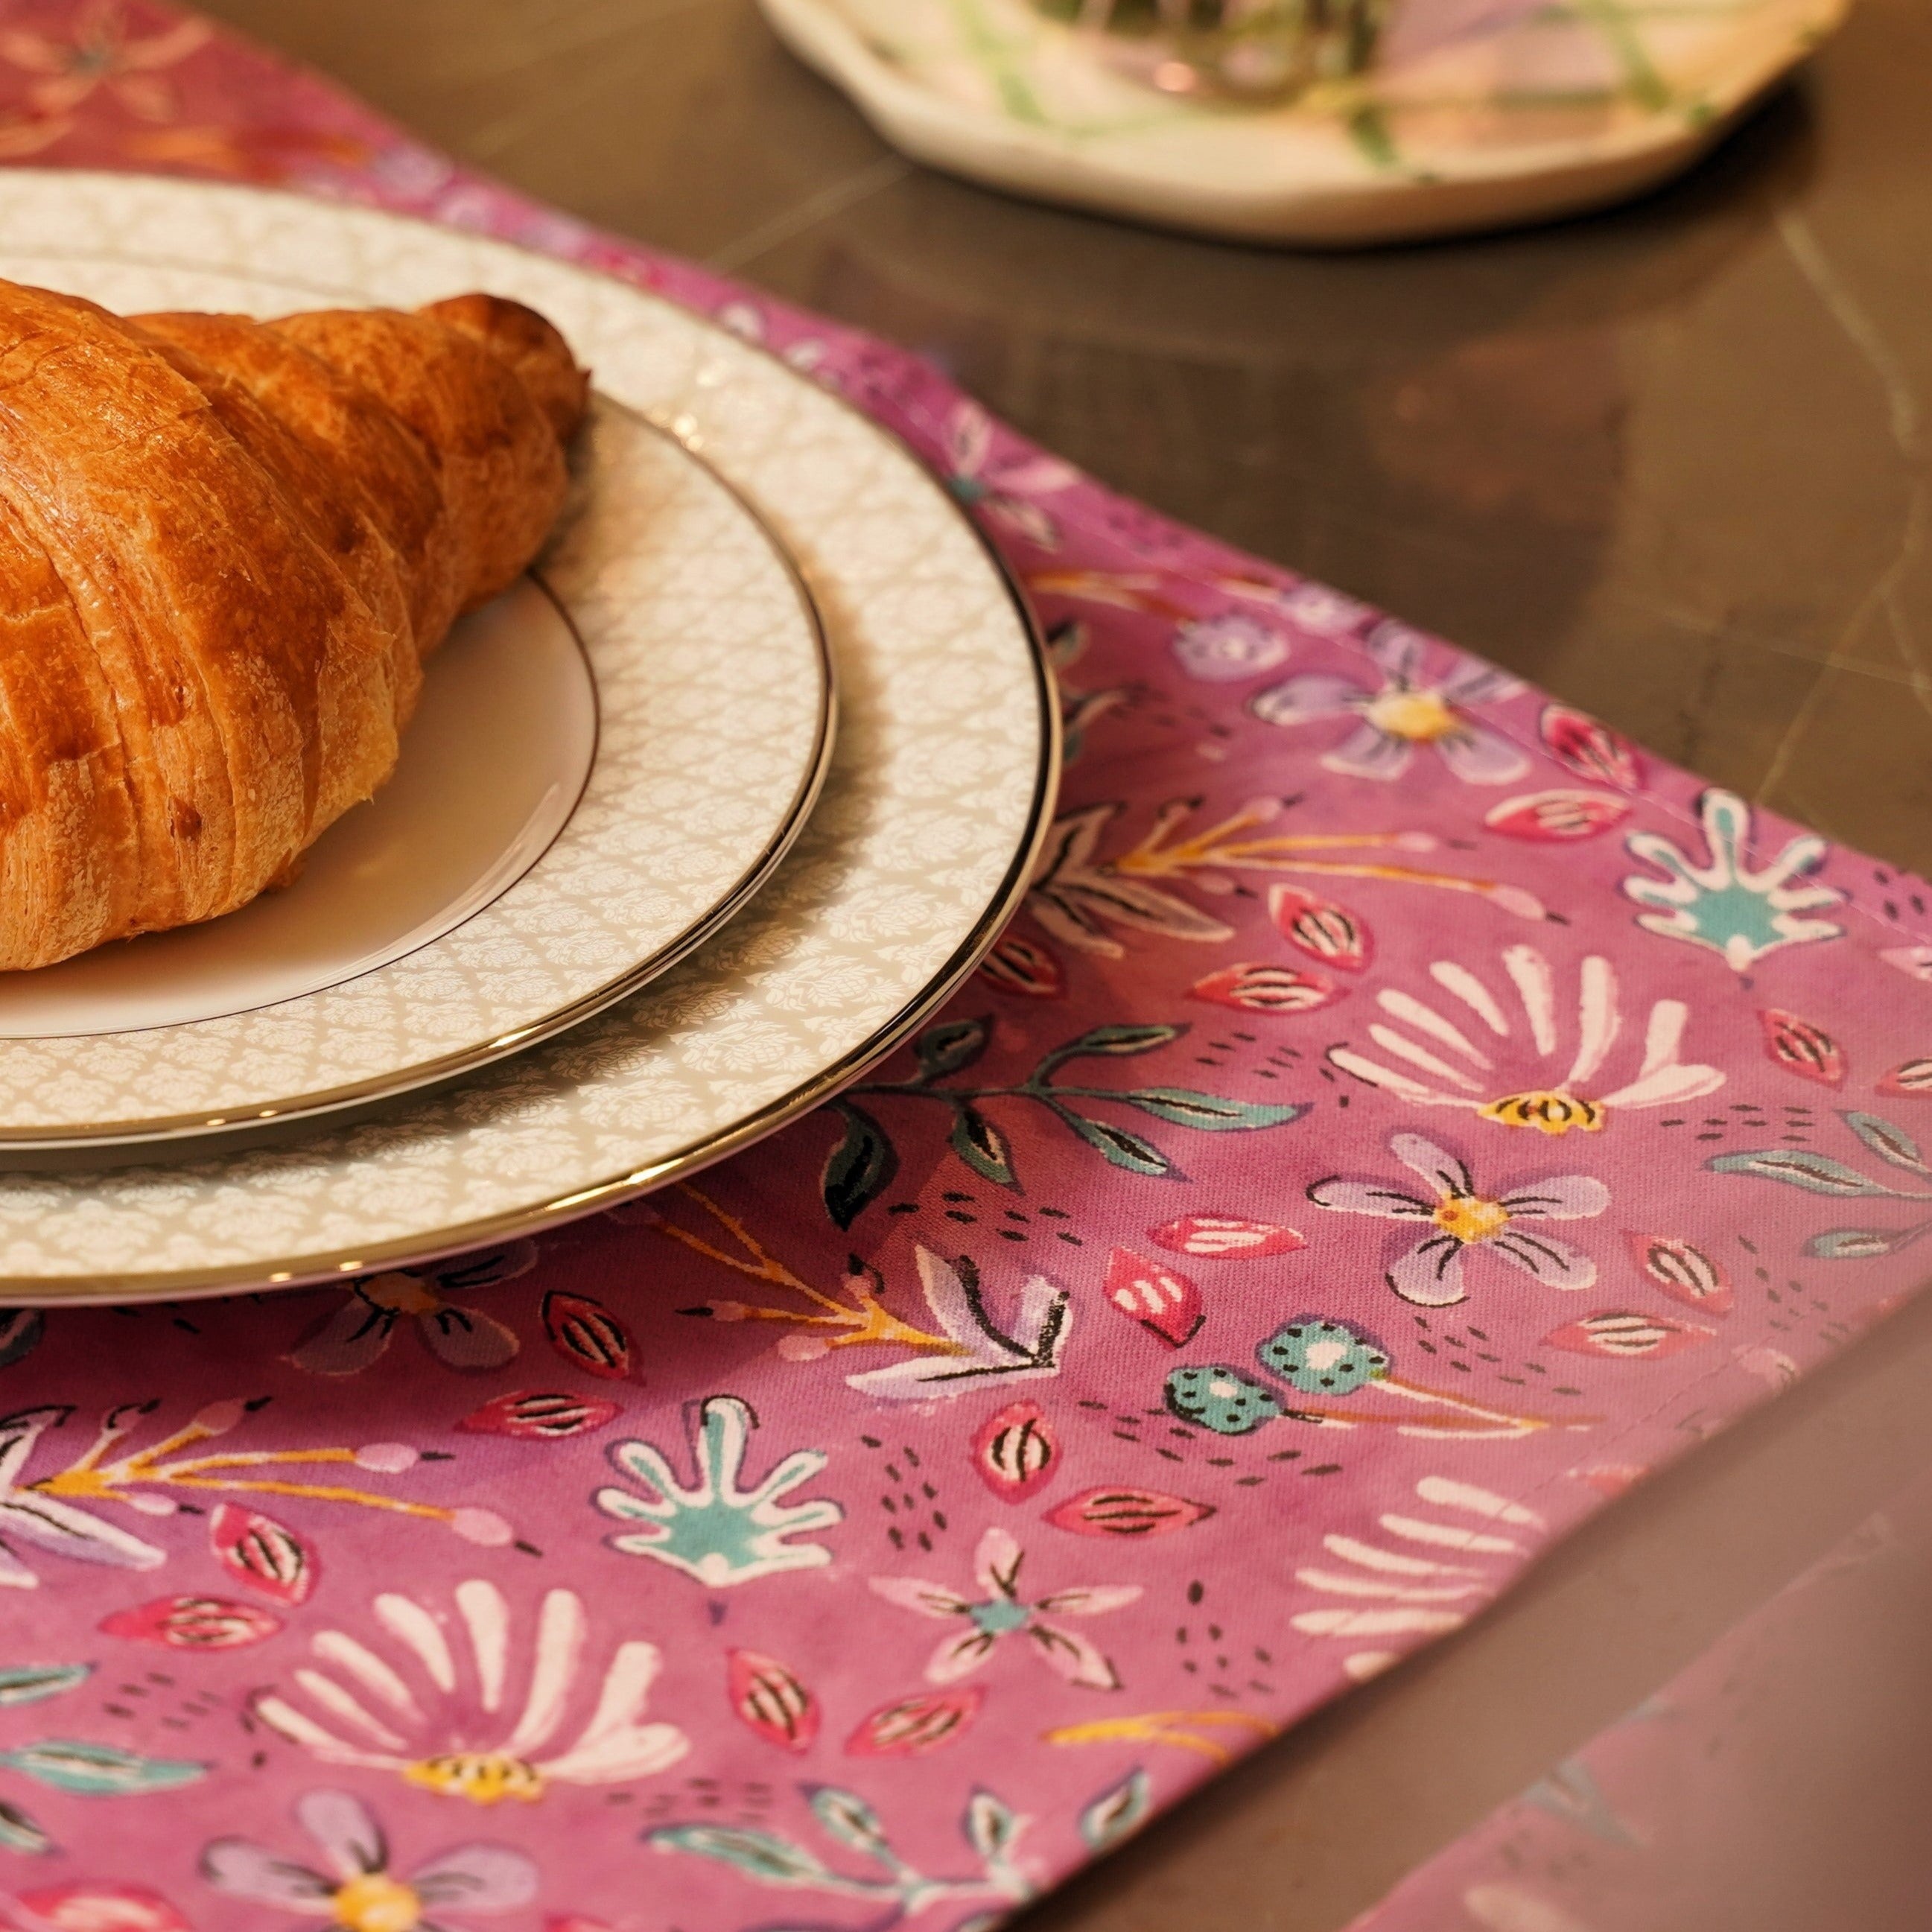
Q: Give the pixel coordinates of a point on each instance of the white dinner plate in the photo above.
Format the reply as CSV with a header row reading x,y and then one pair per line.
x,y
607,762
940,791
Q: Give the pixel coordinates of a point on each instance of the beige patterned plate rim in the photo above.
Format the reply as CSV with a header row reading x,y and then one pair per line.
x,y
208,1050
923,843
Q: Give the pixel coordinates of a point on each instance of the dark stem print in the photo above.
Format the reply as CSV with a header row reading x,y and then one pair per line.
x,y
865,1160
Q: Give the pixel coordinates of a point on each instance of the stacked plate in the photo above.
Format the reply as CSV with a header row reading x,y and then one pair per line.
x,y
692,826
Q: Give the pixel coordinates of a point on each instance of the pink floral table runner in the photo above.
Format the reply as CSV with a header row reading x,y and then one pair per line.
x,y
1405,1114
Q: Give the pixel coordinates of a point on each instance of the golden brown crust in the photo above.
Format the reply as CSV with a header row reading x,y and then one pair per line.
x,y
500,464
531,345
381,512
67,836
224,546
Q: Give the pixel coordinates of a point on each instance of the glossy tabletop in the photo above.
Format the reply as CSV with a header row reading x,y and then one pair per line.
x,y
1670,462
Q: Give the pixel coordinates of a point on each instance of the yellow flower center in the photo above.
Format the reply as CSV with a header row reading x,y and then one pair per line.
x,y
402,1293
1470,1218
376,1903
1551,1112
1419,716
484,1778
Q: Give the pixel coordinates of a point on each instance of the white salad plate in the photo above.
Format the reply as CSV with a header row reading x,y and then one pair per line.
x,y
607,762
1477,113
939,792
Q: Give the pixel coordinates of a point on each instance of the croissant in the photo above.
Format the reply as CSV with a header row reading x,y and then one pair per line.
x,y
225,547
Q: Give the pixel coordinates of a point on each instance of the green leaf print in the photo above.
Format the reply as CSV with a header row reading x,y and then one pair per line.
x,y
863,1162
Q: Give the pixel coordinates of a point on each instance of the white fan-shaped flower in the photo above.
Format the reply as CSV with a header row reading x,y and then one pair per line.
x,y
1495,1056
437,1715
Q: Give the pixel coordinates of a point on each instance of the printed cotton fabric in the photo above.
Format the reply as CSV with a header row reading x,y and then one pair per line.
x,y
1405,1114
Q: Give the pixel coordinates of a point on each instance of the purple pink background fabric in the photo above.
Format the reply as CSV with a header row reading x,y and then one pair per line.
x,y
1405,1114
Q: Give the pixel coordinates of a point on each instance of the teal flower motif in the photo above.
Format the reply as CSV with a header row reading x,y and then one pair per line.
x,y
1738,912
1333,1362
1221,1399
713,1530
1321,1357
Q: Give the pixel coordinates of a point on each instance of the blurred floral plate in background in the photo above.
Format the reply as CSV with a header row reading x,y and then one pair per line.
x,y
1478,113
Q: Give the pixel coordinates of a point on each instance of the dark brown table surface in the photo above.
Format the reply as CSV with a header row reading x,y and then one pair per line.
x,y
1670,462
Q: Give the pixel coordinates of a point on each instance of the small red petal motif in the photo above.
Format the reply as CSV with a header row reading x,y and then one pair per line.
x,y
193,1623
1225,1238
1613,1479
912,1727
1558,817
1683,1271
529,1416
1256,987
265,1555
1016,1451
769,1698
585,1333
1590,748
1024,967
93,1906
1802,1048
1165,1303
1624,1336
1323,930
1124,1511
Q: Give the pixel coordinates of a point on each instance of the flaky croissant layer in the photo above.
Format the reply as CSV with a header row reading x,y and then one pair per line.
x,y
226,547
